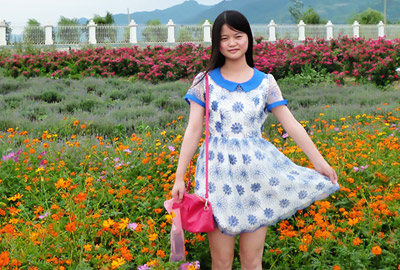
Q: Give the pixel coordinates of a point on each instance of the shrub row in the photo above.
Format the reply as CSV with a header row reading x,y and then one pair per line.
x,y
365,60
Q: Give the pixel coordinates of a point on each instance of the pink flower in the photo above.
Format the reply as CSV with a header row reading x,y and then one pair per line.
x,y
171,148
132,226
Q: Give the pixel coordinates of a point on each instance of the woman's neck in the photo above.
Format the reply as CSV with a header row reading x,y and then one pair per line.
x,y
237,71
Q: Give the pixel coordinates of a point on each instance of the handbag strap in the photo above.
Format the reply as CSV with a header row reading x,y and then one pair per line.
x,y
207,141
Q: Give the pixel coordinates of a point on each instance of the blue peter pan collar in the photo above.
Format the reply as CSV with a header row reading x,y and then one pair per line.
x,y
251,84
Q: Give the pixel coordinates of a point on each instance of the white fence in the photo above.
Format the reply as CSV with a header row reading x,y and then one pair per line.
x,y
171,33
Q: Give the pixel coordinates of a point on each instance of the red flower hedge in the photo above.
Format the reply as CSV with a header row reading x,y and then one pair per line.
x,y
372,60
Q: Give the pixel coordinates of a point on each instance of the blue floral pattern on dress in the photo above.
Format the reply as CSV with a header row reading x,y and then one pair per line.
x,y
251,183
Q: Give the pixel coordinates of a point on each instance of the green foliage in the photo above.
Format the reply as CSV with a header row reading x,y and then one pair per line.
x,y
154,22
368,16
105,34
190,34
69,31
8,32
155,32
34,33
310,16
308,77
108,19
296,11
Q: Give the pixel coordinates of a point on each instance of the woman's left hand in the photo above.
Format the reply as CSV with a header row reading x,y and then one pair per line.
x,y
324,169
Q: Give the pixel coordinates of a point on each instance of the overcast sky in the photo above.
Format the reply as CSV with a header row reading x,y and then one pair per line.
x,y
49,11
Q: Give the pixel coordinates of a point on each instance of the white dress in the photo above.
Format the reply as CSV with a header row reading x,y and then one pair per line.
x,y
251,183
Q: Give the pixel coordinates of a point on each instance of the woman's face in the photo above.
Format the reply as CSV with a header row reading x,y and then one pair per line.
x,y
233,44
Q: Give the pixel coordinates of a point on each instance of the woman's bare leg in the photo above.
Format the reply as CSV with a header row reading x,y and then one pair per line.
x,y
222,250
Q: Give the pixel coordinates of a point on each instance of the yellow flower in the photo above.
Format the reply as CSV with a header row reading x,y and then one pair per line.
x,y
153,237
108,223
117,263
15,197
87,247
123,223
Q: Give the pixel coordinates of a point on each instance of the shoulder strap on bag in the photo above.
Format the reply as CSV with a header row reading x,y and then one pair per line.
x,y
207,131
207,141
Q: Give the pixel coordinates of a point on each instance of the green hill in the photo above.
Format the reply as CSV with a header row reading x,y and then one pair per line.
x,y
262,11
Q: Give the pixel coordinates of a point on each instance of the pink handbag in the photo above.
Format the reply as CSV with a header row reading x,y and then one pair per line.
x,y
196,212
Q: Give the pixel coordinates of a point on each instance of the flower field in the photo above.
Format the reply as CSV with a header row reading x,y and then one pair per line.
x,y
87,202
85,165
364,60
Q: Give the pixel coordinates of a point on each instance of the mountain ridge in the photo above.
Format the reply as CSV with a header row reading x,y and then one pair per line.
x,y
258,11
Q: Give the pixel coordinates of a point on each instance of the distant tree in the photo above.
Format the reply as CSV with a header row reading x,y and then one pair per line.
x,y
108,19
191,33
69,31
105,33
33,33
203,21
312,17
368,16
398,21
296,10
155,32
8,33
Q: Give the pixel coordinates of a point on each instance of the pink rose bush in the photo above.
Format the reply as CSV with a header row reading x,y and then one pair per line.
x,y
364,60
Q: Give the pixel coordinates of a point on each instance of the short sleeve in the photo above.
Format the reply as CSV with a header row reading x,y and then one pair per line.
x,y
274,94
197,91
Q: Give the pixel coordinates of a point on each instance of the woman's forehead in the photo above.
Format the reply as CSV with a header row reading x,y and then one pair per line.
x,y
227,29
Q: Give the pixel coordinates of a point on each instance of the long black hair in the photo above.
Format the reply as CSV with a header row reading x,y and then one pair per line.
x,y
236,21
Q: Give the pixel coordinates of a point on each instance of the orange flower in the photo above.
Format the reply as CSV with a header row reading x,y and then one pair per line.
x,y
4,259
76,122
160,253
357,241
303,248
336,267
376,250
70,227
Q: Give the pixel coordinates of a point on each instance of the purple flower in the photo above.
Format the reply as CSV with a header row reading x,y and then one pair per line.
x,y
143,267
9,156
127,151
44,215
355,169
285,135
184,266
171,148
13,156
132,226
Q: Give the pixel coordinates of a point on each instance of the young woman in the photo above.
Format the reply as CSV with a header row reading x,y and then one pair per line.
x,y
251,183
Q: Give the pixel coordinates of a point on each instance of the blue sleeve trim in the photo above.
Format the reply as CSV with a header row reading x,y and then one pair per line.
x,y
188,97
276,104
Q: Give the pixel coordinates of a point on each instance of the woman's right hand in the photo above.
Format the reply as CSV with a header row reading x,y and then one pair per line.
x,y
178,190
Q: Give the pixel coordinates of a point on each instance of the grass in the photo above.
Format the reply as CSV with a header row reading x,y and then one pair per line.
x,y
118,107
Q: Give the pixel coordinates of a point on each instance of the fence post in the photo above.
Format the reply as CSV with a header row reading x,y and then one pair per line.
x,y
302,30
329,30
381,29
207,31
48,30
272,32
92,32
3,33
356,29
171,31
133,32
